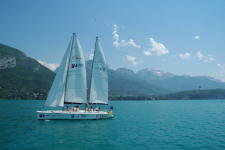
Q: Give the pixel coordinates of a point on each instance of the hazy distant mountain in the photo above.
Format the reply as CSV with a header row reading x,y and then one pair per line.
x,y
153,74
22,77
179,83
124,82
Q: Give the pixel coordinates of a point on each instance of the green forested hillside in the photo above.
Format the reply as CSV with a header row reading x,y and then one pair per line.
x,y
26,80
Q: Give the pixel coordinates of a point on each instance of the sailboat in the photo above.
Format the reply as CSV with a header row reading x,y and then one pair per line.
x,y
68,98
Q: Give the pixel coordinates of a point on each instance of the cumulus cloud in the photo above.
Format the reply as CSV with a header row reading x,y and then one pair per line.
x,y
221,66
132,59
120,43
197,37
209,58
147,53
204,58
199,55
115,35
221,74
157,49
184,56
49,65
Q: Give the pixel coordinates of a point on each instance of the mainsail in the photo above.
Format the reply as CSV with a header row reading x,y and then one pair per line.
x,y
76,85
99,77
69,85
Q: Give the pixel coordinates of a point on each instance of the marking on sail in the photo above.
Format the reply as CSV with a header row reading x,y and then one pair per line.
x,y
100,67
73,66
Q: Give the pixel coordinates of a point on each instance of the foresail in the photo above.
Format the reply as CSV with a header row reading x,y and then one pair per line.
x,y
99,77
76,85
57,92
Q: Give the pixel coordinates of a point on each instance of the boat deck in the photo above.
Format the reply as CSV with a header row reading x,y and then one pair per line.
x,y
72,112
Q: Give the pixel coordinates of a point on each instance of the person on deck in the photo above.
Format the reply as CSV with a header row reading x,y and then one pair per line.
x,y
86,108
97,109
74,108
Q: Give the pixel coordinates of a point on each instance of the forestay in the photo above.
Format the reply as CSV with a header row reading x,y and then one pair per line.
x,y
99,77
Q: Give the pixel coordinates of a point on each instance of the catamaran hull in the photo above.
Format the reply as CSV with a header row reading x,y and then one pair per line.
x,y
66,115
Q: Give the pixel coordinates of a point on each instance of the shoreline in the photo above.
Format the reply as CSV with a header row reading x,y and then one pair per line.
x,y
123,99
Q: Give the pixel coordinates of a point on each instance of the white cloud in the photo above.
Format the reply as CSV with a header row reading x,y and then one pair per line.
x,y
132,59
115,35
221,74
147,53
209,58
197,37
158,73
48,65
184,56
204,58
199,55
120,43
158,48
221,67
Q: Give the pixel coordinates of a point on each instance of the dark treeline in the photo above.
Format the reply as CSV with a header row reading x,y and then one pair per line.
x,y
184,95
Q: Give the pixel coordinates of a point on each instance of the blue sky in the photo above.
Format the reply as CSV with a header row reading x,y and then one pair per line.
x,y
182,37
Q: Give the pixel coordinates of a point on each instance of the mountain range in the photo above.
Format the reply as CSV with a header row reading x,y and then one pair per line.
x,y
22,77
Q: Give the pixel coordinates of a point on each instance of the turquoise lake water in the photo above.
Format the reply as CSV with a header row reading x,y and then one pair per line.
x,y
138,125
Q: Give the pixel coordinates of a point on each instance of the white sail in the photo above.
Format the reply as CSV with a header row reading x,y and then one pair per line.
x,y
99,77
56,94
76,84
